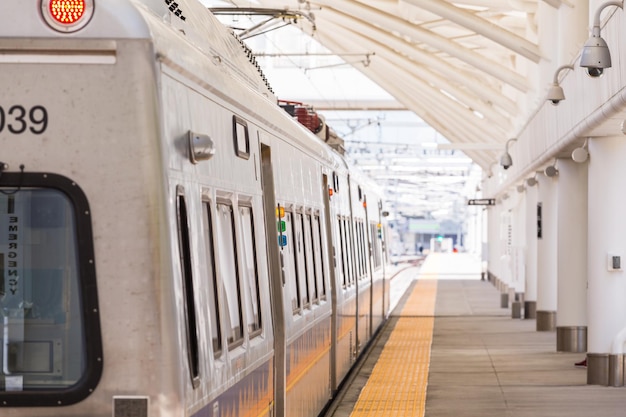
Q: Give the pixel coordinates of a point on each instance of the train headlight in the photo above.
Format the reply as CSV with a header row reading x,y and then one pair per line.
x,y
67,15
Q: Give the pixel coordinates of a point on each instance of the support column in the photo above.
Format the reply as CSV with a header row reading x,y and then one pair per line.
x,y
546,253
571,316
606,247
506,232
497,249
518,228
530,270
574,21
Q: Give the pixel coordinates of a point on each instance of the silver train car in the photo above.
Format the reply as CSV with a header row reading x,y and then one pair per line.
x,y
172,242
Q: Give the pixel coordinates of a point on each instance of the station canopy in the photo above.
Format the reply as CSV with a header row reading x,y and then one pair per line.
x,y
460,68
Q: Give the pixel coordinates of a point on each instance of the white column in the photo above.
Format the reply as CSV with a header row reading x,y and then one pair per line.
x,y
574,24
518,241
547,253
571,316
606,238
494,244
530,253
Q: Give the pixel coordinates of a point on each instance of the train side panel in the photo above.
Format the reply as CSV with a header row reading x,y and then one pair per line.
x,y
345,285
298,182
226,216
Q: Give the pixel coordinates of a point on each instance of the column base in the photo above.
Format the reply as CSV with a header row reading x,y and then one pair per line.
x,y
516,310
571,339
504,300
598,369
546,321
616,370
530,309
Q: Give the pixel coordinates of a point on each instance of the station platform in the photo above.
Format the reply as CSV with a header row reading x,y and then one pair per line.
x,y
449,349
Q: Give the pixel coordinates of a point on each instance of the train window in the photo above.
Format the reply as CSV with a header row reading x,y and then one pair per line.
x,y
301,268
316,232
229,273
376,246
363,248
342,244
214,310
357,252
50,346
189,304
250,273
241,138
290,263
349,250
308,257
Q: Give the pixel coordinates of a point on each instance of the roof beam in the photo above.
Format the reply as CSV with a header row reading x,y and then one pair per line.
x,y
444,117
487,29
431,62
392,24
417,72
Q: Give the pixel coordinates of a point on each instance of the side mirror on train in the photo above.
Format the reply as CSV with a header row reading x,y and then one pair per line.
x,y
201,147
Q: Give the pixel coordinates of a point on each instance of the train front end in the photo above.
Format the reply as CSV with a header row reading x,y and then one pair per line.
x,y
83,293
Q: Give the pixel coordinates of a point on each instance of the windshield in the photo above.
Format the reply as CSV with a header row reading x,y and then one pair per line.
x,y
41,292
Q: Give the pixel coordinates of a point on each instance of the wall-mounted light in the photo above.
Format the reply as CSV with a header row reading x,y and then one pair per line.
x,y
596,55
201,147
581,154
505,160
555,93
551,171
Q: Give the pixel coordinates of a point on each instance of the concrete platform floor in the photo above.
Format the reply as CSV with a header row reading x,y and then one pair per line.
x,y
486,364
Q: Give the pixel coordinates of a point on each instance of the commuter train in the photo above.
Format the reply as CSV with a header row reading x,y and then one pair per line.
x,y
172,242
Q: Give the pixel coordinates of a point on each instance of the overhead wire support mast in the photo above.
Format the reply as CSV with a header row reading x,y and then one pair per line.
x,y
366,62
284,14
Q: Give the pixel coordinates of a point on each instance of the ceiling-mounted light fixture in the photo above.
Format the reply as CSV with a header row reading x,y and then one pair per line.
x,y
555,93
596,55
505,160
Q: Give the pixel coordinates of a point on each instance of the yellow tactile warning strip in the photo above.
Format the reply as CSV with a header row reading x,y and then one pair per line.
x,y
397,386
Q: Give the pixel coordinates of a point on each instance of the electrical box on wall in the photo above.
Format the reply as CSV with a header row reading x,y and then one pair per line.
x,y
614,262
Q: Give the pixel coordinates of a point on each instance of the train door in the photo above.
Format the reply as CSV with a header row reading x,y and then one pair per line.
x,y
330,249
370,269
359,335
276,282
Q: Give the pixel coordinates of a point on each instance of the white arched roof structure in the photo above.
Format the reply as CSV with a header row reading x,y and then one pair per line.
x,y
478,71
475,70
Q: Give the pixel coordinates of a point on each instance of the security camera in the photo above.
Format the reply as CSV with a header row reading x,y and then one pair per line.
x,y
555,94
506,161
596,55
595,72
